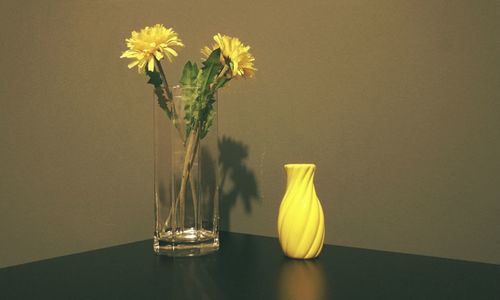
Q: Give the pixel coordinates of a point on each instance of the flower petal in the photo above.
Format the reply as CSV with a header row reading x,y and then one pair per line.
x,y
151,64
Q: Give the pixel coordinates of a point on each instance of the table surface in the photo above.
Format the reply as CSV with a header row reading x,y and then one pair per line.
x,y
249,267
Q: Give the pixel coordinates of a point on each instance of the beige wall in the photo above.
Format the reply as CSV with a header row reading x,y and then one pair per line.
x,y
397,102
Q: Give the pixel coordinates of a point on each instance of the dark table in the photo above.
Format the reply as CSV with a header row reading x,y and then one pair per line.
x,y
249,267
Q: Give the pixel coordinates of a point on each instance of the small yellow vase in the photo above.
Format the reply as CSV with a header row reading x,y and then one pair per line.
x,y
301,227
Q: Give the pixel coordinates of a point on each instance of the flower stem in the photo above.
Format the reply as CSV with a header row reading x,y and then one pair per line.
x,y
164,79
193,187
192,144
221,73
175,117
191,151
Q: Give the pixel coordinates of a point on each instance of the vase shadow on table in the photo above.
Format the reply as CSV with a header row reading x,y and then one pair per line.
x,y
237,181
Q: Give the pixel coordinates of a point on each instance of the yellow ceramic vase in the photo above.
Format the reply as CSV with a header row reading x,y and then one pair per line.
x,y
301,227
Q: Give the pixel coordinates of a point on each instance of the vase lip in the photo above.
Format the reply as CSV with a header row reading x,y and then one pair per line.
x,y
300,165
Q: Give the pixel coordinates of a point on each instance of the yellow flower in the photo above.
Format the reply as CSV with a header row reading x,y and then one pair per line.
x,y
241,61
150,43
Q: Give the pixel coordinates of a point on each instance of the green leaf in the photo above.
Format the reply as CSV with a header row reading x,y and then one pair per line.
x,y
189,94
154,78
208,123
189,74
214,57
211,67
221,82
198,96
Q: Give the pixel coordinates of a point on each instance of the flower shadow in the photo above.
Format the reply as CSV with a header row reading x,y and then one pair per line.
x,y
237,180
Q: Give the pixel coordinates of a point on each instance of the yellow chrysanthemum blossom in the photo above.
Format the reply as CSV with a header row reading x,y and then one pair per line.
x,y
150,43
241,64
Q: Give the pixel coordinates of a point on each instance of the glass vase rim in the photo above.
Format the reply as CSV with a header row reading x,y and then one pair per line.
x,y
178,87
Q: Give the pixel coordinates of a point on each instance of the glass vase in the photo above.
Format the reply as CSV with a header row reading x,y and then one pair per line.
x,y
185,177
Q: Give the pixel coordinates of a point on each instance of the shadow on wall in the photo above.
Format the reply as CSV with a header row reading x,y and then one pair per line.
x,y
232,155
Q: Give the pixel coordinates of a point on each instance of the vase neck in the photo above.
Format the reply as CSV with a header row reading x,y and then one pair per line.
x,y
299,173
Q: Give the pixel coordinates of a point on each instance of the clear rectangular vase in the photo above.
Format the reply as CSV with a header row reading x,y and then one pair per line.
x,y
185,181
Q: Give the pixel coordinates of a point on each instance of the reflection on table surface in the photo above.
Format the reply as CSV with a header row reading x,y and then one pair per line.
x,y
301,280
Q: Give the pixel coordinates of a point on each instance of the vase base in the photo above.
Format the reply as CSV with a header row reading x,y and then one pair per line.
x,y
189,242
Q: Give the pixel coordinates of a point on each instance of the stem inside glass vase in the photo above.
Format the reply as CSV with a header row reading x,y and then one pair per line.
x,y
186,203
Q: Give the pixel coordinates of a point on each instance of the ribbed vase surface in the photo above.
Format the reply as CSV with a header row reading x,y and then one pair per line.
x,y
301,227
